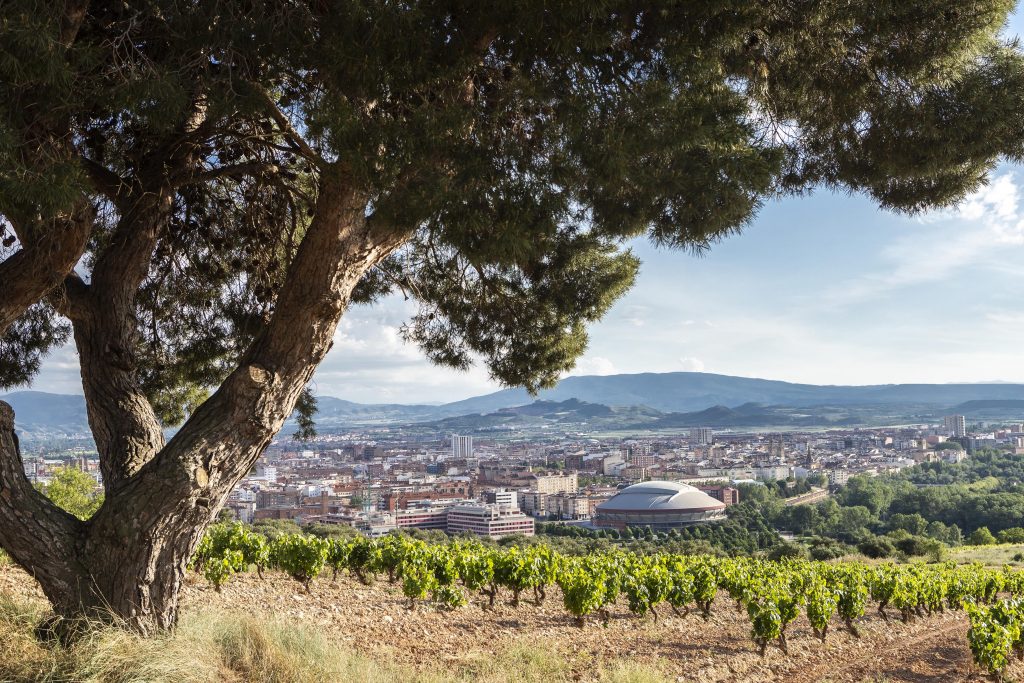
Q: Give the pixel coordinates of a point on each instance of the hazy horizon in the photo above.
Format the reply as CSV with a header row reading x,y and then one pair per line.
x,y
438,402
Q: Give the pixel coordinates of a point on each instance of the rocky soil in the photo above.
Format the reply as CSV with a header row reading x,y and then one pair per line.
x,y
374,620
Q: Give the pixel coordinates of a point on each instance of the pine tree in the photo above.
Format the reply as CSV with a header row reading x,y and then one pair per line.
x,y
233,176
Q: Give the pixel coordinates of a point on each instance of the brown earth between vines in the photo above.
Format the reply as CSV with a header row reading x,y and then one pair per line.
x,y
373,620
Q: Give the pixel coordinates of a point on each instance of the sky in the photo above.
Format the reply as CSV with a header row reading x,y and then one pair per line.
x,y
825,289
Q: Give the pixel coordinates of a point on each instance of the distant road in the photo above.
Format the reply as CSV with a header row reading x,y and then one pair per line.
x,y
813,496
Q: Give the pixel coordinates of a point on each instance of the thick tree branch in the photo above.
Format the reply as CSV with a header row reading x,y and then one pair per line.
x,y
111,185
218,443
43,262
53,248
124,425
293,136
39,529
71,298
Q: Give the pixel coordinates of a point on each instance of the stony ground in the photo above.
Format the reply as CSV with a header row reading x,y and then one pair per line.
x,y
374,620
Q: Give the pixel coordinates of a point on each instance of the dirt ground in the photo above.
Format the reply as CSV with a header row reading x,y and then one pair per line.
x,y
374,620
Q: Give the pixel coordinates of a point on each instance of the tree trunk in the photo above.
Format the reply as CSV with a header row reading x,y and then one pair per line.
x,y
84,569
136,585
126,564
39,536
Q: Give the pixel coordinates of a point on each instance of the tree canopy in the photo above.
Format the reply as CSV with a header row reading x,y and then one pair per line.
x,y
195,192
515,147
74,491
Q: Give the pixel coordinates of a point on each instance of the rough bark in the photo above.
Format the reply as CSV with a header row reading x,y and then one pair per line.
x,y
127,563
42,263
49,248
40,537
125,428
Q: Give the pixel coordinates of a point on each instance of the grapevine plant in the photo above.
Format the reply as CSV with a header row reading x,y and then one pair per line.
x,y
771,593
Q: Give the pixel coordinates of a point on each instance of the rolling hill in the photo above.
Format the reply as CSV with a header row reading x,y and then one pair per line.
x,y
694,391
646,400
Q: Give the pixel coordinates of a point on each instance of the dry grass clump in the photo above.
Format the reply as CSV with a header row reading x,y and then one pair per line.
x,y
208,647
21,656
233,647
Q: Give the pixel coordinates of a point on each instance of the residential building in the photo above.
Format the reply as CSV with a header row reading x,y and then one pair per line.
x,y
612,464
726,494
462,446
956,425
643,460
503,498
557,483
702,436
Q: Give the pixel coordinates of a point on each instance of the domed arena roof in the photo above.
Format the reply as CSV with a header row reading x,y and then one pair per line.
x,y
658,496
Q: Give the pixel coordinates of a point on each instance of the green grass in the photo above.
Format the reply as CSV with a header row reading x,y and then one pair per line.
x,y
988,555
992,556
220,646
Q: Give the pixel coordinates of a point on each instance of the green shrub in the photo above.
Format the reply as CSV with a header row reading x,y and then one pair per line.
x,y
824,552
912,545
275,528
877,547
786,550
935,550
981,536
74,491
1011,535
217,570
301,557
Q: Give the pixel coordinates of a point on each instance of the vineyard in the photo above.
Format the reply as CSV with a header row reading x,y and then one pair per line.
x,y
771,594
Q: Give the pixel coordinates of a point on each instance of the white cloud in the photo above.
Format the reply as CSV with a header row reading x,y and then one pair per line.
x,y
981,228
594,365
995,205
692,364
370,362
636,315
60,373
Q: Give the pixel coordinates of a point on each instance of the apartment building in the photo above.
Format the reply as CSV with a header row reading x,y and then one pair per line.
x,y
643,460
955,425
556,483
725,494
702,435
462,446
503,498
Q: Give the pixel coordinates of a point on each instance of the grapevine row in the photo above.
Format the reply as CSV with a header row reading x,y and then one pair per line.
x,y
773,594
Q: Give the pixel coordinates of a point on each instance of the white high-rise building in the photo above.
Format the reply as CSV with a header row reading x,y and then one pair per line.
x,y
701,436
503,498
956,425
462,446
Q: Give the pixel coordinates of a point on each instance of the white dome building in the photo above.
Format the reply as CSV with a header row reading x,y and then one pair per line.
x,y
659,505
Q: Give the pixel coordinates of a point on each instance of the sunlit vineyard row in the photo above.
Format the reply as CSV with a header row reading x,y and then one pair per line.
x,y
772,593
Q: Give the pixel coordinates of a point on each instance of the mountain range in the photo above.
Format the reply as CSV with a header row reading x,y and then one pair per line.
x,y
650,400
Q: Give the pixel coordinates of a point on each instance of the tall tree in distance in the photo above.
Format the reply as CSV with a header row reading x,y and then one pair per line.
x,y
195,192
